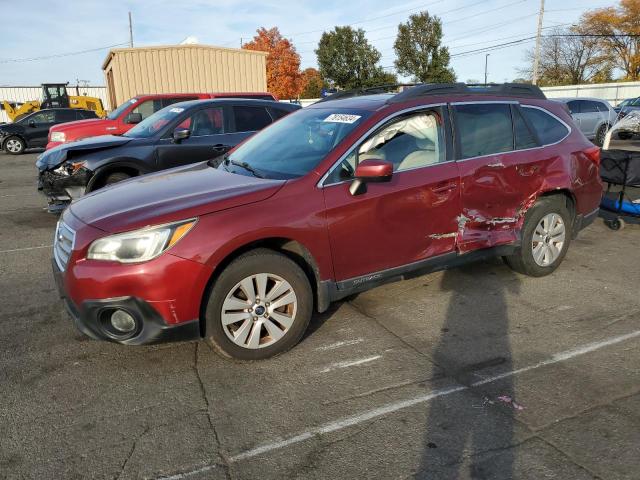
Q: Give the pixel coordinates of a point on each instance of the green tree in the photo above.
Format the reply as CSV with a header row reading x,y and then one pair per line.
x,y
419,52
311,83
347,60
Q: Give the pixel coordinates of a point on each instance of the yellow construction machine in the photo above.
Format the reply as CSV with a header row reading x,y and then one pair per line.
x,y
54,95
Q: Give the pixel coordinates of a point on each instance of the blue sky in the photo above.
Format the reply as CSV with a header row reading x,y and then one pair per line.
x,y
40,28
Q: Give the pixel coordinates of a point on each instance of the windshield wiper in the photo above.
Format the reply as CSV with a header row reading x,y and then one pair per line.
x,y
244,165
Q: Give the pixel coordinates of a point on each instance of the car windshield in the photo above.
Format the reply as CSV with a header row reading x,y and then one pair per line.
x,y
114,114
293,146
154,123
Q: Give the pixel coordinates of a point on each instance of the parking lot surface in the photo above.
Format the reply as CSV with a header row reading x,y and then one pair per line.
x,y
476,372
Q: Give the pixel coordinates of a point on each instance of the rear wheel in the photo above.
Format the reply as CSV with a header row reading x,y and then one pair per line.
x,y
14,145
260,306
546,235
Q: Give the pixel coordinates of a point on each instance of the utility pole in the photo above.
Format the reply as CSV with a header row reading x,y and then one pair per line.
x,y
130,32
486,62
536,59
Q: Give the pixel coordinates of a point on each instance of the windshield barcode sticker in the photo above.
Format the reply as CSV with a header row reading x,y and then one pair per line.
x,y
342,118
176,110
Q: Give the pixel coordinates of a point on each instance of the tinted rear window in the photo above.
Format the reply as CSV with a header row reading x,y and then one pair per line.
x,y
484,129
524,137
250,119
549,129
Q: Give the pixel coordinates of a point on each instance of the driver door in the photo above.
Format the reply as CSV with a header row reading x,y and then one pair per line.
x,y
208,127
37,128
408,219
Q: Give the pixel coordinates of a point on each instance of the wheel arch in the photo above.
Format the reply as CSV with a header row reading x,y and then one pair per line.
x,y
101,173
20,136
289,247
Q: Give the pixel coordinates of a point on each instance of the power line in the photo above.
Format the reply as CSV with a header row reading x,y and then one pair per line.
x,y
58,55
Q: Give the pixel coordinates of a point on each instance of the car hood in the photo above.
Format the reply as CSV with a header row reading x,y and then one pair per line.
x,y
94,122
52,158
170,195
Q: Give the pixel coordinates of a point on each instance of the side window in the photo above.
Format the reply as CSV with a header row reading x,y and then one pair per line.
x,y
43,117
86,114
411,141
148,108
548,128
484,129
208,121
277,113
250,119
587,106
523,136
65,116
602,107
574,106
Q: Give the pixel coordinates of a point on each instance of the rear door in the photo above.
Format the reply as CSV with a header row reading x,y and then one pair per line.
x,y
208,139
501,169
590,117
410,218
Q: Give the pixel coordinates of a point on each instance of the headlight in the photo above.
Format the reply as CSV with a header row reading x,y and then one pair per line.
x,y
58,137
139,245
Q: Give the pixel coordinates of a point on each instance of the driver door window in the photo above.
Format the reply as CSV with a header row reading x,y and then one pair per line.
x,y
408,142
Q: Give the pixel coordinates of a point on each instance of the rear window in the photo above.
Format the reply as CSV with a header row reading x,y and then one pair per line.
x,y
548,128
251,119
278,113
523,136
484,129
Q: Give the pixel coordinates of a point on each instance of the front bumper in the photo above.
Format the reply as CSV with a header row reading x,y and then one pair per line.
x,y
61,189
92,319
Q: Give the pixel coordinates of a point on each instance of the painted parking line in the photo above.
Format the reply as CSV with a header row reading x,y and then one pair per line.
x,y
344,343
25,249
403,404
350,363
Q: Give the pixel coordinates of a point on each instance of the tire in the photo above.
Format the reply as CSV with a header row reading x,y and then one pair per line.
x,y
115,178
14,145
527,259
615,224
279,271
600,135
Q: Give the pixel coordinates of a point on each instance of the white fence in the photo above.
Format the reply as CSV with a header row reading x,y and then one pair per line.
x,y
24,94
613,92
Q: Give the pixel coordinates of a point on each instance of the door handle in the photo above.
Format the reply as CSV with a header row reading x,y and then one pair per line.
x,y
446,187
220,147
495,165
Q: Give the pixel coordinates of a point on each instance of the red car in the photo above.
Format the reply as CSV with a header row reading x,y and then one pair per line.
x,y
331,200
132,112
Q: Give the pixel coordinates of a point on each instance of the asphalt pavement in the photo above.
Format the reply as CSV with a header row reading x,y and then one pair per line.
x,y
472,373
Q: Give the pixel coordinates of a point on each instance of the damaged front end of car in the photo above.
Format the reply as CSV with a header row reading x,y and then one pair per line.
x,y
63,183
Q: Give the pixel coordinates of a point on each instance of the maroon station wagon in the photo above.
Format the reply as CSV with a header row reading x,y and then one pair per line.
x,y
352,192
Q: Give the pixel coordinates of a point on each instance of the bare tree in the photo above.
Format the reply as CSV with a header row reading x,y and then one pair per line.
x,y
568,58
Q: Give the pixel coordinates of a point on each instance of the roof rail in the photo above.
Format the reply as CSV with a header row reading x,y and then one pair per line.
x,y
358,92
498,89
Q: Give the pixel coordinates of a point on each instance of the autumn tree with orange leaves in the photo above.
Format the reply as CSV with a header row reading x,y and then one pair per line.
x,y
283,63
621,27
311,86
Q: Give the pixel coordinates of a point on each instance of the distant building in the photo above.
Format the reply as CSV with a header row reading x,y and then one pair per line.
x,y
182,69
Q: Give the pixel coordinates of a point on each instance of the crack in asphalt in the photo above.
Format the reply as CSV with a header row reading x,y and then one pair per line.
x,y
133,449
203,391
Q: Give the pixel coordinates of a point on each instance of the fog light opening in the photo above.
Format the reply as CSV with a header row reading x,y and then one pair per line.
x,y
122,322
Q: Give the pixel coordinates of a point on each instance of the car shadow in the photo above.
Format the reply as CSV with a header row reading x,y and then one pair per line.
x,y
461,429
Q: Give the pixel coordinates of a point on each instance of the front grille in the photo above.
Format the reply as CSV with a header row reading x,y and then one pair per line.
x,y
63,245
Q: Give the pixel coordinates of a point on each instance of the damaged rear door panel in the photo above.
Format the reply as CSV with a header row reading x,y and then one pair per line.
x,y
503,170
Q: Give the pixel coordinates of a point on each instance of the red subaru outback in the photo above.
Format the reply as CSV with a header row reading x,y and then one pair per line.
x,y
333,199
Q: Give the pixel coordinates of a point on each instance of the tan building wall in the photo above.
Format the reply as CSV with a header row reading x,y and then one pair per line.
x,y
182,69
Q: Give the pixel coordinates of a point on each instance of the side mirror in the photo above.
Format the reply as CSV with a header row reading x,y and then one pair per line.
x,y
180,134
369,171
32,124
133,118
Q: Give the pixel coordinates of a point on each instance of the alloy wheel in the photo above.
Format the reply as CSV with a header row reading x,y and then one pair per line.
x,y
548,239
13,145
259,310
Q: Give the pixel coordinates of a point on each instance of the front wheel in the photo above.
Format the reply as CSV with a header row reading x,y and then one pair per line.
x,y
546,235
260,306
14,145
601,134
